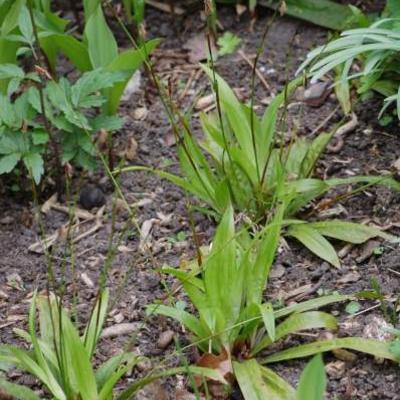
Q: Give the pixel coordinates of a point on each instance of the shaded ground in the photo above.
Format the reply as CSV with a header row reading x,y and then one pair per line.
x,y
367,150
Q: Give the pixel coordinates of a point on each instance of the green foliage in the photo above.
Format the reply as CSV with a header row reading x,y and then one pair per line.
x,y
326,13
250,166
377,46
227,292
25,137
312,383
60,359
228,43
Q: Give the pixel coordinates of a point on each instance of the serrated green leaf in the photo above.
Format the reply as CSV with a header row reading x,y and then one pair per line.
x,y
8,162
40,137
11,19
228,43
34,163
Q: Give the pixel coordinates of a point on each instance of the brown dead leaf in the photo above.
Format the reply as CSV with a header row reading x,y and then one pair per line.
x,y
350,277
120,329
205,102
48,204
221,363
197,48
170,139
131,149
140,113
240,9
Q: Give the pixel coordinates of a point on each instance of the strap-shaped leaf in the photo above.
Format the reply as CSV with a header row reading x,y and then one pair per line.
x,y
259,383
312,304
368,346
299,322
313,382
314,242
348,231
18,391
103,48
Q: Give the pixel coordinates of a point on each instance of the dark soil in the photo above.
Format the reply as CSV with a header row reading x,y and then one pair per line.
x,y
370,149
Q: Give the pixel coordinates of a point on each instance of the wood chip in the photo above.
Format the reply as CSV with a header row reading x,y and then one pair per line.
x,y
165,339
120,329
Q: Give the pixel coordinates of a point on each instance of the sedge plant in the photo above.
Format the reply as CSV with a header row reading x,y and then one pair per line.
x,y
376,47
62,359
233,323
242,158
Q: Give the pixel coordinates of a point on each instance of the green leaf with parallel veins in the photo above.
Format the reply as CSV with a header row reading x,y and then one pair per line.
x,y
348,231
18,391
368,346
312,383
315,242
103,48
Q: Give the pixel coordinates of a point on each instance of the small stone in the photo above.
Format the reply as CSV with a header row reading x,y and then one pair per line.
x,y
350,278
144,365
165,339
316,94
377,328
335,369
6,220
119,318
91,196
277,271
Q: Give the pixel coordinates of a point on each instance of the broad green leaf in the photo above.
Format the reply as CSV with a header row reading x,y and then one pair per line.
x,y
107,369
11,71
96,322
185,318
368,346
129,61
89,7
209,373
79,364
74,50
251,382
45,374
278,387
11,20
235,113
8,162
40,137
315,242
311,304
267,314
326,13
103,48
220,273
313,382
348,231
18,391
107,389
258,277
34,164
297,323
25,25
